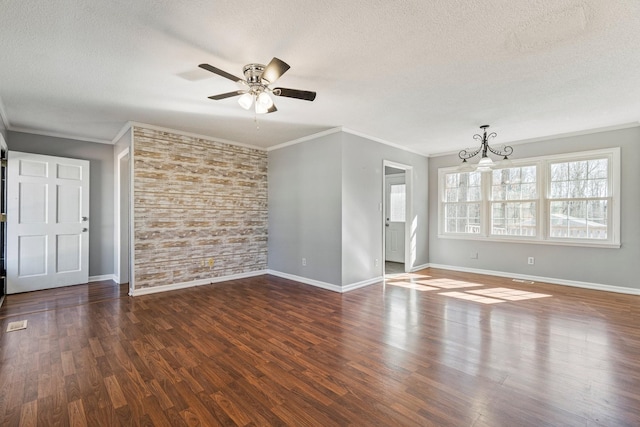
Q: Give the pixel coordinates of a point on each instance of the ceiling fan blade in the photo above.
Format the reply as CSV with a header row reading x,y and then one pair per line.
x,y
219,72
295,93
274,70
226,95
272,109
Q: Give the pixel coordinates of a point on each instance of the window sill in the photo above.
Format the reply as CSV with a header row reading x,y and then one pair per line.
x,y
590,244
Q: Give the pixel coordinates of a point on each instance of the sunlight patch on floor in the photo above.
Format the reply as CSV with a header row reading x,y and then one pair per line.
x,y
412,285
405,276
448,283
494,295
470,297
508,294
424,283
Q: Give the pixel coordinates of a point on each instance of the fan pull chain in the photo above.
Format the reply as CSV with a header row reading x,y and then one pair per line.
x,y
255,119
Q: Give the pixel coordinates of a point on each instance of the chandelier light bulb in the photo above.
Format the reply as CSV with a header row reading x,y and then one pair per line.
x,y
485,164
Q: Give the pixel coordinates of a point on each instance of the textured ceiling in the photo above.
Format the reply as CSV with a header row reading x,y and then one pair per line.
x,y
422,74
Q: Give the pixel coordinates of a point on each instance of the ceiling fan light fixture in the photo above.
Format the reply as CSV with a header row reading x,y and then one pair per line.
x,y
255,90
261,108
245,101
265,100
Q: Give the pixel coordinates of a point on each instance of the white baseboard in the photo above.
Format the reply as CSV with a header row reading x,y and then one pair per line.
x,y
325,285
419,267
362,284
306,281
552,280
201,282
103,277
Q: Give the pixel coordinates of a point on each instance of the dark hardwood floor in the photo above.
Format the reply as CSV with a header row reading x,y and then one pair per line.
x,y
435,348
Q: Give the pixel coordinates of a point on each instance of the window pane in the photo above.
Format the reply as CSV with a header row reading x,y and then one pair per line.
x,y
580,219
559,190
397,203
514,218
462,218
580,179
514,183
462,187
598,168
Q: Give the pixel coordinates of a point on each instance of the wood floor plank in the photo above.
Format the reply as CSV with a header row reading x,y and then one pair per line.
x,y
269,351
77,417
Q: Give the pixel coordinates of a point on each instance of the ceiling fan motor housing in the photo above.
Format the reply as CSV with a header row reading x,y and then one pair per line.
x,y
253,73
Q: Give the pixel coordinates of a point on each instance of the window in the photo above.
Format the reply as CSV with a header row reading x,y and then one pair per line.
x,y
579,199
563,199
462,202
514,201
397,202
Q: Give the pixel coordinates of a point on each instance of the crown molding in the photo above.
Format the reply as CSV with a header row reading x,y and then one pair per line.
x,y
383,141
345,130
3,116
127,126
305,138
132,124
58,135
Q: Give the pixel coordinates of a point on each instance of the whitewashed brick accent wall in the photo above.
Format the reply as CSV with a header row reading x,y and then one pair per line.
x,y
196,200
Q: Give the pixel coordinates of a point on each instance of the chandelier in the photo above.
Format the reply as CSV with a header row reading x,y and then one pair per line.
x,y
485,164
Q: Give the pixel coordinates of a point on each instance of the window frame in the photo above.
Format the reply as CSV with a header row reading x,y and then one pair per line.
x,y
543,202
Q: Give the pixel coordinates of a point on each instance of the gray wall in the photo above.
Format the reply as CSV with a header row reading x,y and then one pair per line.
x,y
101,178
324,196
615,267
3,131
362,194
305,209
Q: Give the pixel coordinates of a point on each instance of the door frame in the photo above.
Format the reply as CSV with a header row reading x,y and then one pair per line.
x,y
117,220
409,247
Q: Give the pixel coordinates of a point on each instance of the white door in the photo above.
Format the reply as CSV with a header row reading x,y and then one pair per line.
x,y
47,222
395,217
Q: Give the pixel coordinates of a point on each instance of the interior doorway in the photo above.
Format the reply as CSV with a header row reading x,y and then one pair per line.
x,y
396,218
123,241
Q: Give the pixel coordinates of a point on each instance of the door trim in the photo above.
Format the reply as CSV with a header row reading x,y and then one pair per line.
x,y
409,247
117,219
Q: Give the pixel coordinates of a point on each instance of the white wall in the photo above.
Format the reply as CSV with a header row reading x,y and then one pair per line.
x,y
611,267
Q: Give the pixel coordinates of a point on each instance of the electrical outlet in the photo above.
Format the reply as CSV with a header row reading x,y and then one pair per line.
x,y
376,262
531,260
304,262
211,261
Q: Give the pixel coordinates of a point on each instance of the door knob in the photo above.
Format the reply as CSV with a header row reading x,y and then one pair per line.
x,y
84,230
84,218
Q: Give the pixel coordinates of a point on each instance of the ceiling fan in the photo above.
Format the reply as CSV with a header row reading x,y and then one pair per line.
x,y
256,91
